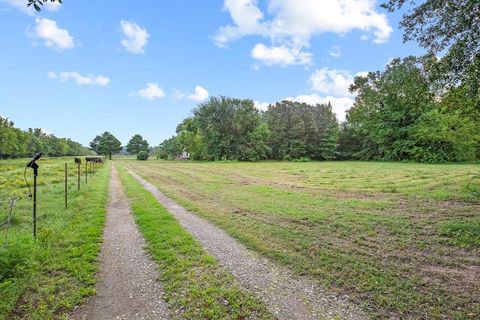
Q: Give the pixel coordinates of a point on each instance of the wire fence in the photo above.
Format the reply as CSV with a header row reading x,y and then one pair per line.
x,y
55,175
8,207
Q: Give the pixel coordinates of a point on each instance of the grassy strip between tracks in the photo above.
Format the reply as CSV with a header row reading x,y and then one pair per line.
x,y
196,286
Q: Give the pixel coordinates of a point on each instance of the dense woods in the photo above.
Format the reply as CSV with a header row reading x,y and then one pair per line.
x,y
400,114
16,143
233,129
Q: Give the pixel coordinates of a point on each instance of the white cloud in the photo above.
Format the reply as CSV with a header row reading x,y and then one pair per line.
x,y
281,55
335,52
22,6
339,105
135,38
52,35
262,106
151,92
80,79
331,81
199,95
293,23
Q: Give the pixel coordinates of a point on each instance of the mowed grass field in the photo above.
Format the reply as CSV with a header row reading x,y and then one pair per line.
x,y
44,279
402,240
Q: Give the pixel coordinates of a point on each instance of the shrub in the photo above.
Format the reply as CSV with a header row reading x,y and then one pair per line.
x,y
142,155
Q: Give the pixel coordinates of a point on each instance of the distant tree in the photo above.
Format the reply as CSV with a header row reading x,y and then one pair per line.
x,y
452,26
38,4
107,145
142,155
137,144
190,139
94,143
299,130
16,143
258,148
224,125
169,149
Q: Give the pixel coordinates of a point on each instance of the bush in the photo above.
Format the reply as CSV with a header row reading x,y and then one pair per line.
x,y
142,155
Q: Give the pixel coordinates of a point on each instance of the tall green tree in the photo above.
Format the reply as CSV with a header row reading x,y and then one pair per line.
x,y
387,107
190,139
301,130
137,144
450,26
107,144
224,125
399,115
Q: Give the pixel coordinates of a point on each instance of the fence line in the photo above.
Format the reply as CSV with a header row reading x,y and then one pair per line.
x,y
92,164
6,224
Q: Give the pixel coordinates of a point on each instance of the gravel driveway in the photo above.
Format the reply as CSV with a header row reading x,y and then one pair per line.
x,y
287,296
128,285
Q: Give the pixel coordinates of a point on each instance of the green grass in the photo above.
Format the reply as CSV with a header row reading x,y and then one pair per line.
x,y
196,286
400,239
44,279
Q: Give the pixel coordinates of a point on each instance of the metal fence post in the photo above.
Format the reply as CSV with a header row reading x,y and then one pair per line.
x,y
66,186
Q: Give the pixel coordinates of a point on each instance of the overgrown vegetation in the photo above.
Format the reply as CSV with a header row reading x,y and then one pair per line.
x,y
400,239
196,286
44,279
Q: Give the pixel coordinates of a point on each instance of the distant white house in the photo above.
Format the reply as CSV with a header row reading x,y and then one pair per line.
x,y
184,156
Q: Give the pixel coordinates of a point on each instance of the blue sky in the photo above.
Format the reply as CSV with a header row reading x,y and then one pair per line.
x,y
130,67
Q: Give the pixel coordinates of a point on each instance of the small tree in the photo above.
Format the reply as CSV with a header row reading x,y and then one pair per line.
x,y
137,144
106,144
142,155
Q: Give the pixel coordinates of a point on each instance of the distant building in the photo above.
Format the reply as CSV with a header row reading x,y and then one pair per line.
x,y
184,156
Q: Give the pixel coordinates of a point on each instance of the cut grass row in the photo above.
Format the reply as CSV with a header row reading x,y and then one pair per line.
x,y
400,254
44,279
196,286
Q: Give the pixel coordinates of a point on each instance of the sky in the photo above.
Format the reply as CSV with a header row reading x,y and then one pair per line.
x,y
127,67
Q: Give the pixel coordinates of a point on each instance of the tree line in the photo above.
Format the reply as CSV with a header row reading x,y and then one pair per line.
x,y
15,143
399,114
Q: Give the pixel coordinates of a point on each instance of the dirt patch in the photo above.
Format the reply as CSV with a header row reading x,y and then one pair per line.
x,y
128,282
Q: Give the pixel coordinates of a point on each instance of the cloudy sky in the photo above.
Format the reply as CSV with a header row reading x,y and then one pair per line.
x,y
129,67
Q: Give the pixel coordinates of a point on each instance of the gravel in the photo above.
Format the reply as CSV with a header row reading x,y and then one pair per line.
x,y
287,296
128,285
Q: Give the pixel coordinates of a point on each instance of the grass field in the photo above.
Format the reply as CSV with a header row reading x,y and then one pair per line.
x,y
402,240
43,279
